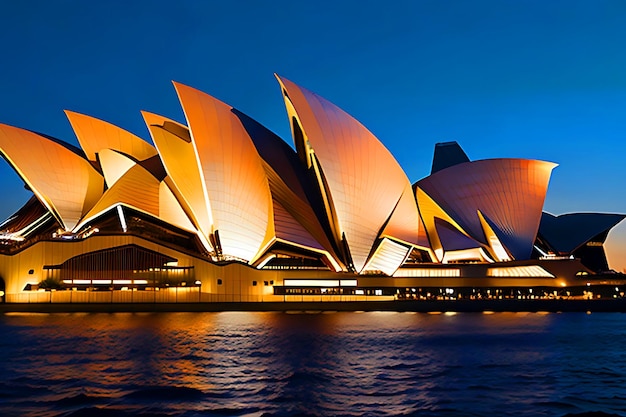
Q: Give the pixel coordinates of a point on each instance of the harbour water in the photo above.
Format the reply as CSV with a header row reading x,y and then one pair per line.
x,y
312,364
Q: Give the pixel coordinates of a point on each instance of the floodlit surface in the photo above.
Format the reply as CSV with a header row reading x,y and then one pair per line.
x,y
388,257
179,158
339,202
519,271
139,189
364,180
428,272
508,192
232,172
95,134
61,179
114,165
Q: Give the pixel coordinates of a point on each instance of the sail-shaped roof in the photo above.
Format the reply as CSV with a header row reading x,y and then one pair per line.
x,y
292,192
62,179
232,173
568,232
340,197
173,142
508,192
95,134
361,181
139,189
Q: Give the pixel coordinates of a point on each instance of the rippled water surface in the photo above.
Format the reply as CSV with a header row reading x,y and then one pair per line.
x,y
330,364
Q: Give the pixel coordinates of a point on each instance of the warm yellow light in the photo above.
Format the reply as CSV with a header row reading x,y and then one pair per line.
x,y
311,283
428,272
519,271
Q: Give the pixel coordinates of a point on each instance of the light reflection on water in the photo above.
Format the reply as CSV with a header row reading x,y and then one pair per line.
x,y
188,364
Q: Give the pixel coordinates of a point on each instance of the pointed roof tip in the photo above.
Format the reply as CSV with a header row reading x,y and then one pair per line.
x,y
284,81
146,113
447,154
551,165
149,117
70,114
286,85
158,118
280,80
180,87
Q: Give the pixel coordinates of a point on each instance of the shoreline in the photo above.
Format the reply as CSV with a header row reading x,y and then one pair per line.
x,y
419,306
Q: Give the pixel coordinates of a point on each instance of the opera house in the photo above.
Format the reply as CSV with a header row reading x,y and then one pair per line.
x,y
221,209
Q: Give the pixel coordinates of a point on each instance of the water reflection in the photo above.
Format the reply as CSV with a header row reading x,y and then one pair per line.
x,y
314,364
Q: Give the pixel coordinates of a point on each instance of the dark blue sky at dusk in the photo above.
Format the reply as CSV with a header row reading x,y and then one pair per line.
x,y
523,79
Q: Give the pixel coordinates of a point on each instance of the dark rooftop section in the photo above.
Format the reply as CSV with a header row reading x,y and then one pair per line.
x,y
451,238
568,232
446,155
277,153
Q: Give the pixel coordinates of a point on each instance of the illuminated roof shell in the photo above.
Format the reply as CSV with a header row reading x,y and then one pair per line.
x,y
95,134
295,222
248,197
64,181
114,165
292,192
508,192
234,181
363,181
177,153
139,189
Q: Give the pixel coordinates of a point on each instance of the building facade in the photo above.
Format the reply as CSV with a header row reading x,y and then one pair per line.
x,y
221,209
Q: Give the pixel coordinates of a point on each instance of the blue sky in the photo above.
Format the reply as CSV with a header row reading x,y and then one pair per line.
x,y
529,79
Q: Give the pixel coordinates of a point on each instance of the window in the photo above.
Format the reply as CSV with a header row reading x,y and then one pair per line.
x,y
219,281
254,283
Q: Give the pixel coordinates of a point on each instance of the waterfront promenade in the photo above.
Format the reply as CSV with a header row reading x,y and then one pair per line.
x,y
423,306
